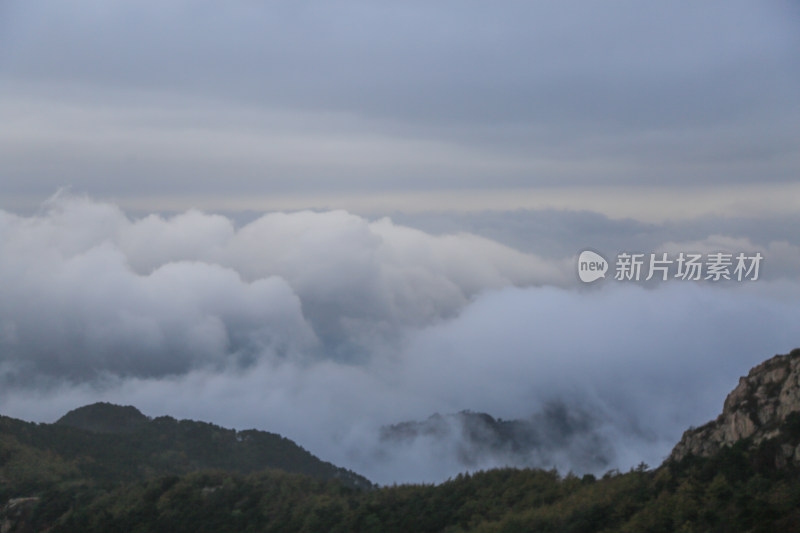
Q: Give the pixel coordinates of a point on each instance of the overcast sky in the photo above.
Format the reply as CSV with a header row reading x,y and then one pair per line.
x,y
320,218
336,104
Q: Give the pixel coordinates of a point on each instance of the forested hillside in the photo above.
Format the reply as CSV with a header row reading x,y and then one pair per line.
x,y
105,445
738,490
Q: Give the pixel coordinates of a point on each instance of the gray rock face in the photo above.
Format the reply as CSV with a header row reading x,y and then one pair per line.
x,y
755,408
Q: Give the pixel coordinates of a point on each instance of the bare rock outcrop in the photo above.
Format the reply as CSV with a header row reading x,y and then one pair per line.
x,y
755,409
14,515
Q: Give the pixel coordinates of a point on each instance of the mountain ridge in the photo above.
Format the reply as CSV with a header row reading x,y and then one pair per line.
x,y
114,444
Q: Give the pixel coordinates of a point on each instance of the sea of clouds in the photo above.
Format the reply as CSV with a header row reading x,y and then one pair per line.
x,y
327,326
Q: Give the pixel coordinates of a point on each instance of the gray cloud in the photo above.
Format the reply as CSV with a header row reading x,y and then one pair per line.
x,y
556,234
326,327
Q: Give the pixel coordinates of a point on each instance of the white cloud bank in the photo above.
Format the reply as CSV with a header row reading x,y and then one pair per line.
x,y
87,290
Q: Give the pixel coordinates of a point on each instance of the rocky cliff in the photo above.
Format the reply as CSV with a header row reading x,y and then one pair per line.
x,y
757,409
15,515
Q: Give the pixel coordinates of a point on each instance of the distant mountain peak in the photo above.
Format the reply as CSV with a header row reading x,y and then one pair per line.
x,y
103,417
757,409
556,433
131,444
